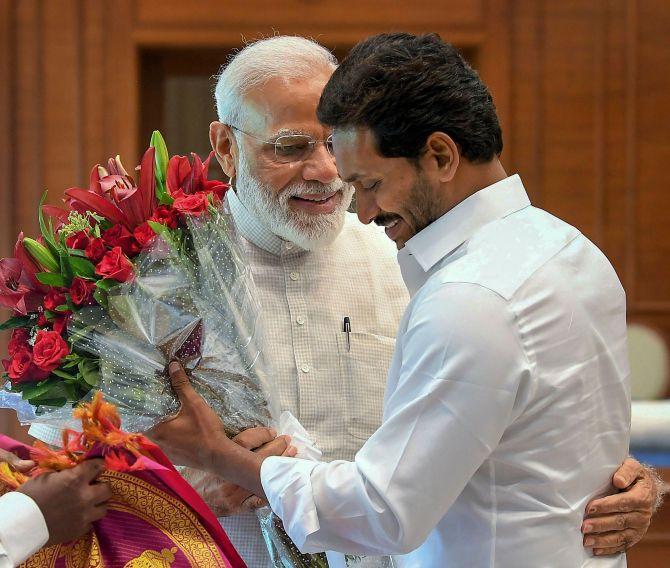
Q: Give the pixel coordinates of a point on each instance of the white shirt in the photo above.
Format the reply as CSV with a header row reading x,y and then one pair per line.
x,y
507,405
23,530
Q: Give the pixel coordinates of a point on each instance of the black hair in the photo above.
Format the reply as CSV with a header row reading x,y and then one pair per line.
x,y
404,87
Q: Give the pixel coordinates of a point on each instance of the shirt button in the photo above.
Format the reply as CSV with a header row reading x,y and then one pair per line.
x,y
289,246
294,275
305,368
300,320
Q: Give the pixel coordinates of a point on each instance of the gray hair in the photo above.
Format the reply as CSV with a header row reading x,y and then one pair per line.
x,y
290,57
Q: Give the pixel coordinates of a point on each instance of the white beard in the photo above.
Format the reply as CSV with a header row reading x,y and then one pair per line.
x,y
308,231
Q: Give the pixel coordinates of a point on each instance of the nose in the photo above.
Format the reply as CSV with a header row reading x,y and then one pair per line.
x,y
366,207
320,166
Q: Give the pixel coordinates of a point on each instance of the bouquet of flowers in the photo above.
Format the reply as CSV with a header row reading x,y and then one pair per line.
x,y
127,278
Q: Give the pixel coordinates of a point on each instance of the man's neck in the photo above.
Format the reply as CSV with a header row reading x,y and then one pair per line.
x,y
472,178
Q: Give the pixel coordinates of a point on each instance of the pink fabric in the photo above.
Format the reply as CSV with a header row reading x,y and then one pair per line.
x,y
130,533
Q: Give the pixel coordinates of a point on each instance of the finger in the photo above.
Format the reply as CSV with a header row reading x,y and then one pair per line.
x,y
100,493
253,503
290,452
180,381
611,540
98,512
16,462
618,503
255,437
89,470
275,448
608,551
618,522
629,471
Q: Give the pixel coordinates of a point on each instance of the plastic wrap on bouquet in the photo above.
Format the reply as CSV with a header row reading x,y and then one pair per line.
x,y
193,301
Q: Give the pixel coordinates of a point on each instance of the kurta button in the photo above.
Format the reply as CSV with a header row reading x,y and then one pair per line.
x,y
289,246
294,276
305,368
300,320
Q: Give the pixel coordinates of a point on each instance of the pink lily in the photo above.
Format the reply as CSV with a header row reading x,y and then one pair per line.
x,y
16,288
113,194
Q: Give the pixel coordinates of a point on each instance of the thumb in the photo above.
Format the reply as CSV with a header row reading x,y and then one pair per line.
x,y
629,471
179,380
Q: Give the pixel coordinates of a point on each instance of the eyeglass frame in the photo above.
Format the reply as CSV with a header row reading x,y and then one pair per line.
x,y
313,142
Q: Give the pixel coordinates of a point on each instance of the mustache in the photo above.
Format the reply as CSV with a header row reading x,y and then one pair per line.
x,y
385,219
314,188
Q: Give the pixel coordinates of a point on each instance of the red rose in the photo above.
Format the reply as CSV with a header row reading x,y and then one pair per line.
x,y
115,265
60,324
144,234
20,368
119,236
216,187
166,216
81,291
49,350
53,299
18,341
195,204
78,241
95,250
42,320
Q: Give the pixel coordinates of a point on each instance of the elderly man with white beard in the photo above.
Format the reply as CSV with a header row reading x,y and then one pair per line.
x,y
309,256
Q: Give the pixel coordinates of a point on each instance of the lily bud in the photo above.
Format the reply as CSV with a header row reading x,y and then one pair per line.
x,y
41,254
162,158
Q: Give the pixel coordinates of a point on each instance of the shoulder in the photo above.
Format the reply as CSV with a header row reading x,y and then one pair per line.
x,y
507,253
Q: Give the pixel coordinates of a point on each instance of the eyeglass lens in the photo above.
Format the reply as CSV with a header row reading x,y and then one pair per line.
x,y
296,147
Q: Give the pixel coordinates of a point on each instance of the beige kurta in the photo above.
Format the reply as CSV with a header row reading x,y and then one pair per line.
x,y
336,393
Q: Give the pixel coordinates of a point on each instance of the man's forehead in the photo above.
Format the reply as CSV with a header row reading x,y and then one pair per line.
x,y
286,106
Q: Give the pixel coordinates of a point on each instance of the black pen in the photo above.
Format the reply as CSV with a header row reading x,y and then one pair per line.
x,y
346,328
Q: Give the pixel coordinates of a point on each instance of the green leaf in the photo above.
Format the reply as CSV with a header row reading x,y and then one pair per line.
x,y
83,268
51,279
100,296
53,402
77,252
34,390
63,308
63,375
16,321
66,267
89,371
158,228
47,230
106,284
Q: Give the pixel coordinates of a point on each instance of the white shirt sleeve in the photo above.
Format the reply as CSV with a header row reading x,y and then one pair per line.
x,y
456,383
23,530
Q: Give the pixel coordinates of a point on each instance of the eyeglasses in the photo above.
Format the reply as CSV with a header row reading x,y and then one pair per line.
x,y
293,147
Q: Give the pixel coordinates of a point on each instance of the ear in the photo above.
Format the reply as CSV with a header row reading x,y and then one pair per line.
x,y
225,146
442,155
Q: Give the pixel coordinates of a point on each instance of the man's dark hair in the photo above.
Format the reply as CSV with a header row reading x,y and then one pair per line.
x,y
404,87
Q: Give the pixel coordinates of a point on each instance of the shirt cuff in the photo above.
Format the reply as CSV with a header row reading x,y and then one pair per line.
x,y
288,488
23,530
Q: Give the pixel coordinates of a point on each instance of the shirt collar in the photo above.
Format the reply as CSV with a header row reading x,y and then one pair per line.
x,y
425,249
251,228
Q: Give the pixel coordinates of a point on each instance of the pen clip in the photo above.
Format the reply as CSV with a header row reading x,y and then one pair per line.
x,y
346,328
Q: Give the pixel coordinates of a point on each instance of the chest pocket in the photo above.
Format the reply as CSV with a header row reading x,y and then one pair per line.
x,y
363,369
